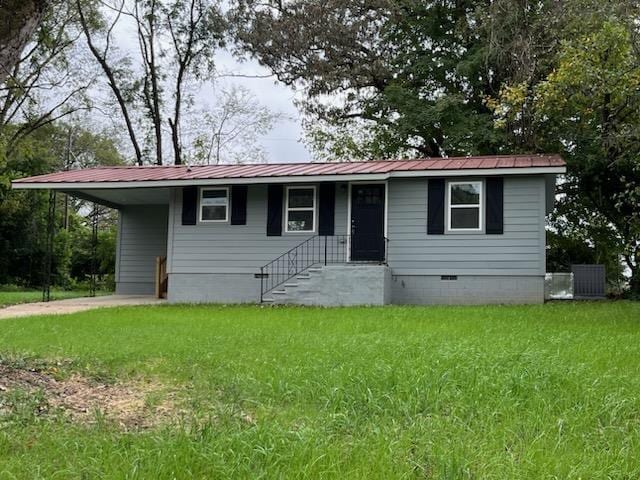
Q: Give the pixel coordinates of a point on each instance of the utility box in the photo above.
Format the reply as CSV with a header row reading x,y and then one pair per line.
x,y
589,281
558,286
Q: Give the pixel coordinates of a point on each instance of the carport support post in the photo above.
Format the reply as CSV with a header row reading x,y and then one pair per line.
x,y
261,284
48,254
94,251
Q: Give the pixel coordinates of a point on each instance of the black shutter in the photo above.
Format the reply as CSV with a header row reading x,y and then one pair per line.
x,y
495,206
189,205
239,205
327,209
274,210
435,206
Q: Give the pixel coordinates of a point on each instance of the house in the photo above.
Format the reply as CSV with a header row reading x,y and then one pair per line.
x,y
424,231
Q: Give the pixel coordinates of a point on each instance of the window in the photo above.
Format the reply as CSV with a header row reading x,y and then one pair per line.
x,y
465,206
301,209
214,204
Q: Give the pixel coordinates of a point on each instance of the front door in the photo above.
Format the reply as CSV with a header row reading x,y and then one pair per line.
x,y
367,223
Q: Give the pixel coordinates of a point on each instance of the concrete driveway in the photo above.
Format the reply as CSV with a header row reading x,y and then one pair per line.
x,y
72,305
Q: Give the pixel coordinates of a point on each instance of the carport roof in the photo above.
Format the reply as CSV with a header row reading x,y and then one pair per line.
x,y
166,176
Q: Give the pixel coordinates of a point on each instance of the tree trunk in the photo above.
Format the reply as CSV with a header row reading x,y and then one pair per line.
x,y
19,19
175,139
147,40
634,283
113,83
157,119
175,122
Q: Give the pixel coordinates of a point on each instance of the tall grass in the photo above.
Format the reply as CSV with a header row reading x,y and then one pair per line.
x,y
397,392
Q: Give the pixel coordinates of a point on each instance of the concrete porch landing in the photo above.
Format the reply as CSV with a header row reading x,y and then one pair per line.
x,y
72,305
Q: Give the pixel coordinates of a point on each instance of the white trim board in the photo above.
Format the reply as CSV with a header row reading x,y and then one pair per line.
x,y
480,206
313,209
200,205
365,177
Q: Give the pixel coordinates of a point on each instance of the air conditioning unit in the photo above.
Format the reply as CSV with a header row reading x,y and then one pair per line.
x,y
558,286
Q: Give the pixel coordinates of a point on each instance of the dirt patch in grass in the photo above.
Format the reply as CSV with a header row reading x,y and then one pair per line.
x,y
132,405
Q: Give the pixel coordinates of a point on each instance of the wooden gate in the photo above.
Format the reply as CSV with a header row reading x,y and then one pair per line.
x,y
161,277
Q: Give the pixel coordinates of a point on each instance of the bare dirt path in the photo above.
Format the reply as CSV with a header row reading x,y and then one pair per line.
x,y
136,403
72,305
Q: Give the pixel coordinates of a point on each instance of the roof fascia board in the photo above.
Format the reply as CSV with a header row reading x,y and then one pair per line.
x,y
478,172
290,179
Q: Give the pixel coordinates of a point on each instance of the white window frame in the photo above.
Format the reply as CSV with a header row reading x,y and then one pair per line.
x,y
479,205
300,209
200,205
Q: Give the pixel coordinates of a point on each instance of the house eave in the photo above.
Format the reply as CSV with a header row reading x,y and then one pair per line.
x,y
18,185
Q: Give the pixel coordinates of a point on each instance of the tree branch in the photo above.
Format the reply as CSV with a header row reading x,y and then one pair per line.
x,y
106,68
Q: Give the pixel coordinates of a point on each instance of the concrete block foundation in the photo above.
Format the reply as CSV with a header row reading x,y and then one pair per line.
x,y
344,285
466,290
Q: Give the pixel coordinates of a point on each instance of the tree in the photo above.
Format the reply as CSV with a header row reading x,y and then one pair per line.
x,y
48,80
177,40
589,109
196,28
20,19
23,214
524,41
232,127
391,78
408,77
117,76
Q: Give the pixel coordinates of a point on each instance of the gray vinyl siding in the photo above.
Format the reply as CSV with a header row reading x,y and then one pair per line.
x,y
215,262
225,248
520,251
142,236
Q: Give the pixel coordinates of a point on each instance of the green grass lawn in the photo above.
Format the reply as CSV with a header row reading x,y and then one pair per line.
x,y
494,392
16,296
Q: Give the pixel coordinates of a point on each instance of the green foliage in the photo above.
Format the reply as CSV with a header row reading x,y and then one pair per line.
x,y
548,391
407,76
589,109
404,77
567,246
83,251
586,107
22,237
23,214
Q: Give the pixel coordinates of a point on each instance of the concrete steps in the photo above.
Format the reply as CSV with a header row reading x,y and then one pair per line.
x,y
285,293
335,285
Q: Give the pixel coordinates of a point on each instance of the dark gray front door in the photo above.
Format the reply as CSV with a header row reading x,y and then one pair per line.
x,y
367,223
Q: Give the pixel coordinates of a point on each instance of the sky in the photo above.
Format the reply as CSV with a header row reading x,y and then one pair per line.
x,y
283,144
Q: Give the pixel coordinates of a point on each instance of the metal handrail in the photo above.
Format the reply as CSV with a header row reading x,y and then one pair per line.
x,y
316,250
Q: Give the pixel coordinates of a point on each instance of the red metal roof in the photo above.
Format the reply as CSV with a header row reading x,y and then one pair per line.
x,y
211,172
